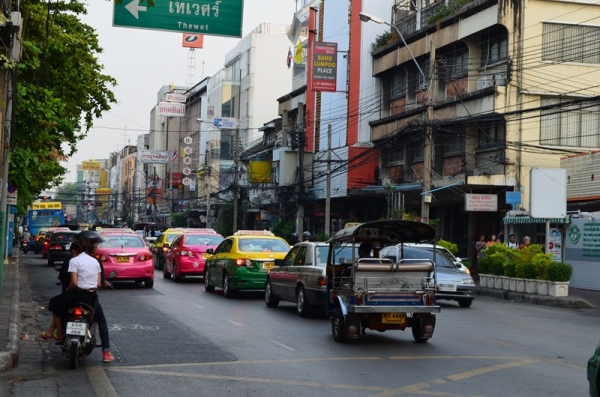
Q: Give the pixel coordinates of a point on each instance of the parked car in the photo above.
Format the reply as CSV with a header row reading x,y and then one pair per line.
x,y
300,276
593,373
452,283
59,247
125,257
162,244
241,261
48,236
187,254
456,260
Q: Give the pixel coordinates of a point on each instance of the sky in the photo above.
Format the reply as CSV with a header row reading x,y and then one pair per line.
x,y
142,61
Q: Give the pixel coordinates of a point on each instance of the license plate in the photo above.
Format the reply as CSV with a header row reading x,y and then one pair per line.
x,y
122,259
393,318
268,265
67,246
447,287
76,329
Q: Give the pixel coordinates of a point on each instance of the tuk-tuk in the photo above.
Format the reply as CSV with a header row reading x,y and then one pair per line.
x,y
381,293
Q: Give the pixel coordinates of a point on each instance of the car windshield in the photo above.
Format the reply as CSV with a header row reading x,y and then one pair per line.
x,y
203,239
441,259
340,255
122,241
262,245
171,237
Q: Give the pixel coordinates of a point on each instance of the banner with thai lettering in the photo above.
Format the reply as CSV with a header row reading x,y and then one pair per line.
x,y
154,156
324,67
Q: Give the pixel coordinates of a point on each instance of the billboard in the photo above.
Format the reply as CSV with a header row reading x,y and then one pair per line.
x,y
171,109
177,181
90,165
324,67
481,202
191,40
548,192
154,156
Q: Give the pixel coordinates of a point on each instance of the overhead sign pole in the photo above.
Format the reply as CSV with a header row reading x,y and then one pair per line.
x,y
216,18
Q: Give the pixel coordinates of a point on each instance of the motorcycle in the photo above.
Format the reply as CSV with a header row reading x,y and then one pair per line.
x,y
80,333
25,246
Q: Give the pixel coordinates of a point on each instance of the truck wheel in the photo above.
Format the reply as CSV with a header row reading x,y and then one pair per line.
x,y
337,326
465,302
270,300
416,331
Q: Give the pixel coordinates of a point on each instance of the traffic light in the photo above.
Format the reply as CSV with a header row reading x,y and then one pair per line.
x,y
45,197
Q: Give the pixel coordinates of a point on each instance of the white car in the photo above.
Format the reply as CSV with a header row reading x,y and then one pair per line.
x,y
457,261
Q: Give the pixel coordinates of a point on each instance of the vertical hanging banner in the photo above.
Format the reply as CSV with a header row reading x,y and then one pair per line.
x,y
324,67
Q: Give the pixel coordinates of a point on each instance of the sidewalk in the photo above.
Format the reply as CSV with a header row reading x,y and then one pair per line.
x,y
9,315
577,299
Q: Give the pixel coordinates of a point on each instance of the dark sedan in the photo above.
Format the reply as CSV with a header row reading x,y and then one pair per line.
x,y
59,247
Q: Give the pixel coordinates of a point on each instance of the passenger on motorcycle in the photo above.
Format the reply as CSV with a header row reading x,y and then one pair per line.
x,y
85,280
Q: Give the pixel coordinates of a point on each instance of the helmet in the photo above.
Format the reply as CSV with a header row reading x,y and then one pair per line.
x,y
306,236
90,237
294,236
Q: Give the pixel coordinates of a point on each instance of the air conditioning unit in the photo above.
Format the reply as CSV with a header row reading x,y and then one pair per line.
x,y
485,82
477,172
499,79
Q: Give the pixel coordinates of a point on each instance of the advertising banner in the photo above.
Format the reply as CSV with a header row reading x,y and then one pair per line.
x,y
192,40
324,67
154,156
177,180
171,109
90,165
481,202
555,244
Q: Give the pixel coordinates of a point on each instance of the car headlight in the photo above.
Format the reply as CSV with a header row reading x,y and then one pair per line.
x,y
467,281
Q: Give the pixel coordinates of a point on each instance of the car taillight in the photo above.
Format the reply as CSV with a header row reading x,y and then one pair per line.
x,y
45,243
78,313
243,262
321,281
165,249
55,247
145,257
103,258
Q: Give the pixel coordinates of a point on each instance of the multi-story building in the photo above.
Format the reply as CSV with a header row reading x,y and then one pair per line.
x,y
499,87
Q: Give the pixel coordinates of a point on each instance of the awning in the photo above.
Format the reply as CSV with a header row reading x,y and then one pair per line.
x,y
522,220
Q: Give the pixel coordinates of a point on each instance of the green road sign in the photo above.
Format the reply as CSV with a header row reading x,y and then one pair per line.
x,y
209,17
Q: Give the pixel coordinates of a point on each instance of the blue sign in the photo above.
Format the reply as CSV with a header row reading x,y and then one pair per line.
x,y
225,122
513,198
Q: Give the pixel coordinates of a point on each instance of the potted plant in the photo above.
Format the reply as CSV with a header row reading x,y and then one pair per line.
x,y
540,263
559,274
497,269
529,277
510,272
484,276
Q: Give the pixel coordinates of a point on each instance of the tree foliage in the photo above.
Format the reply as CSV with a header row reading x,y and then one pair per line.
x,y
60,91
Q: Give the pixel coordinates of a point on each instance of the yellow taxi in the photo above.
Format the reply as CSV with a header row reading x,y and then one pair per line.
x,y
162,245
241,261
39,240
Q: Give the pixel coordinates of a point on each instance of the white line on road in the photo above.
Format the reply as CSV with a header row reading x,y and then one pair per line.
x,y
234,323
282,345
577,326
100,382
198,307
174,296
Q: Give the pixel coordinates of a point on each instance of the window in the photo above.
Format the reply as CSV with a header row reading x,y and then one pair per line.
x,y
491,135
494,45
574,125
455,143
399,83
454,61
571,43
419,150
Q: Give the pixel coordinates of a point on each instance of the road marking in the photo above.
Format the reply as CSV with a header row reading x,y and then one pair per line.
x,y
198,307
174,296
234,323
577,326
282,345
498,342
100,382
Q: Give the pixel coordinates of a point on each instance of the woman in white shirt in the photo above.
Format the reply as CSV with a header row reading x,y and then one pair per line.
x,y
85,275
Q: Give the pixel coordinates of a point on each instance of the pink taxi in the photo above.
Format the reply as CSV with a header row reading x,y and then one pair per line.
x,y
187,254
125,257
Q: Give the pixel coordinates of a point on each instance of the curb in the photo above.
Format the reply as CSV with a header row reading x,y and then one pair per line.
x,y
567,302
9,358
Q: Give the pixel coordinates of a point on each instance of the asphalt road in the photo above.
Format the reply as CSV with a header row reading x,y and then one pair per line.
x,y
178,340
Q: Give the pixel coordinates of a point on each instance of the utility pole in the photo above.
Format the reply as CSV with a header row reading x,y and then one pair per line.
x,y
328,188
301,138
428,148
236,169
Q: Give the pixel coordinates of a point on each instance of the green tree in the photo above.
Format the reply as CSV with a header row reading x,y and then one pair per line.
x,y
60,91
69,193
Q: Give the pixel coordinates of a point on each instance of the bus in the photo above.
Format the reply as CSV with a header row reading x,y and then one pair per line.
x,y
45,214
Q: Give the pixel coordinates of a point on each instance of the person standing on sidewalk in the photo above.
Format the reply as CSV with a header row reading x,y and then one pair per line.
x,y
480,247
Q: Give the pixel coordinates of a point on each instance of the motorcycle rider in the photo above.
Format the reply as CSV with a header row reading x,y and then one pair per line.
x,y
25,240
92,239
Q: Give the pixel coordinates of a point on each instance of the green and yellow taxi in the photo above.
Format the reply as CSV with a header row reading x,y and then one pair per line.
x,y
241,261
162,245
39,240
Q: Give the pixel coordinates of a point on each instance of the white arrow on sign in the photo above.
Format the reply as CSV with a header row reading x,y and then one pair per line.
x,y
134,8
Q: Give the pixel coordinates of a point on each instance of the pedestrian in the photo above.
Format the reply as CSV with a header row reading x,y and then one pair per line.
x,y
512,242
492,241
480,247
501,236
306,236
526,242
293,238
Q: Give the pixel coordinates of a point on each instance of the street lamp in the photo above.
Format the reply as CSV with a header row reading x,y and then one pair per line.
x,y
428,146
236,160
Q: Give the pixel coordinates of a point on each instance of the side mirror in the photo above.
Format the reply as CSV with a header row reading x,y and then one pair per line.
x,y
458,259
210,251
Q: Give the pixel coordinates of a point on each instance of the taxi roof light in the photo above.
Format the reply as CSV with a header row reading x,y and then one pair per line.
x,y
253,233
